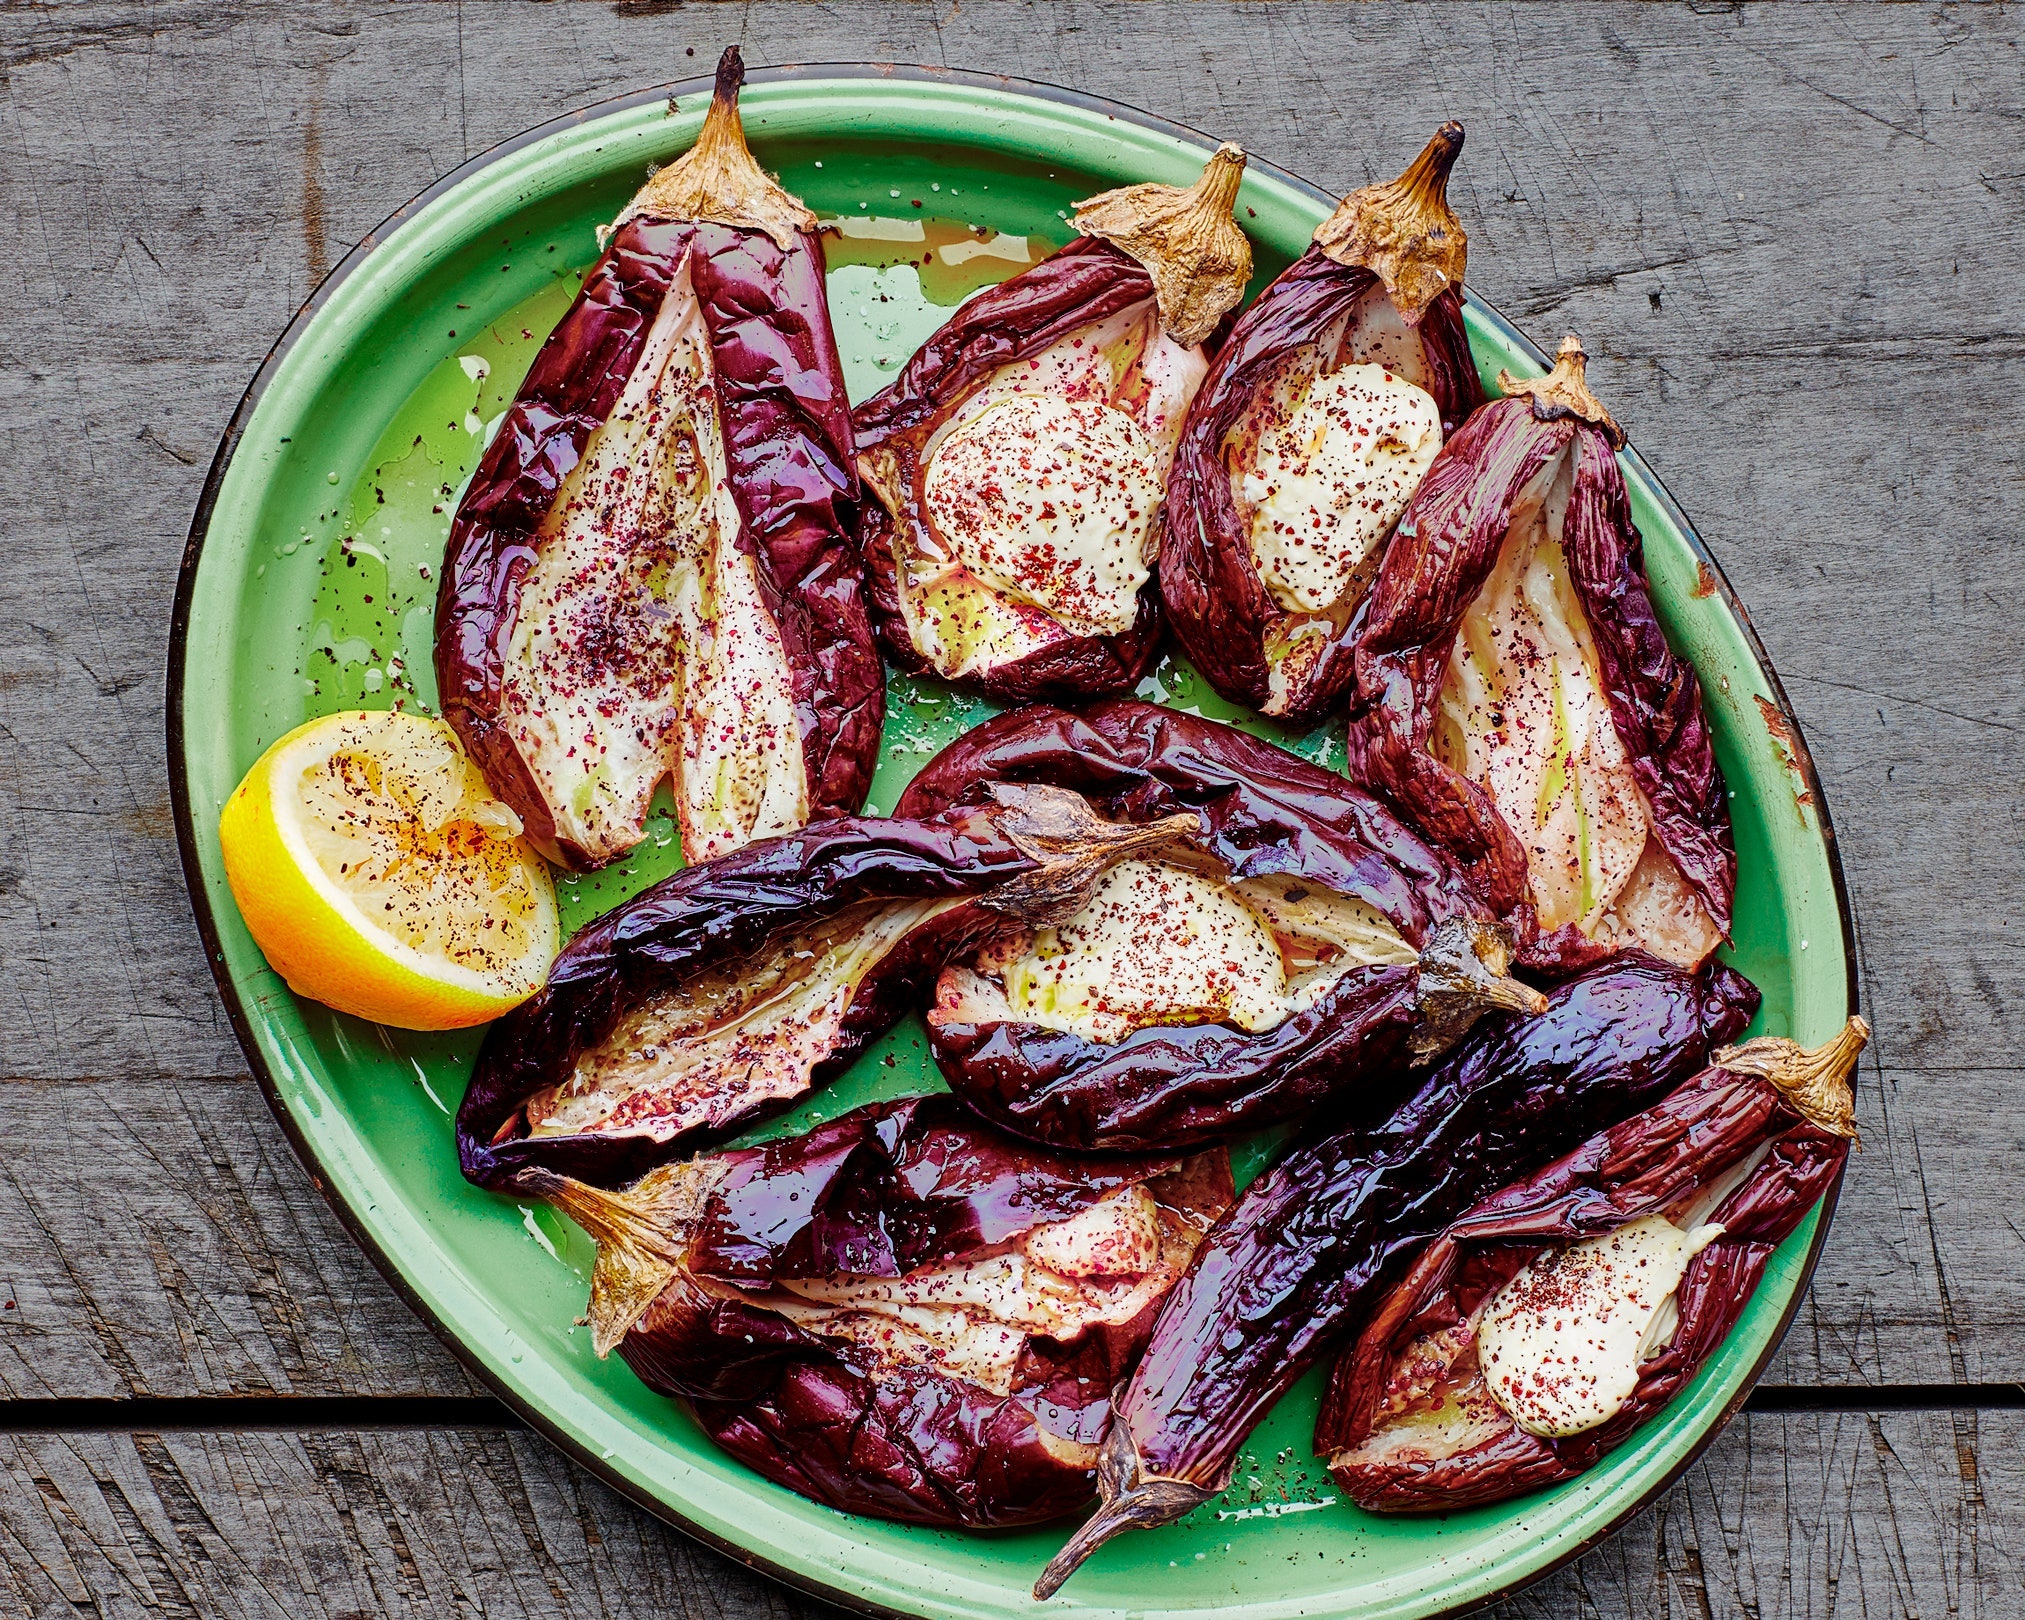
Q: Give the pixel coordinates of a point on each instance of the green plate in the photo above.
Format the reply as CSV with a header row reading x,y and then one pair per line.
x,y
307,587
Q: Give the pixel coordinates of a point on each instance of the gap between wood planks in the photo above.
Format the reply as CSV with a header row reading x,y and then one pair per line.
x,y
150,1414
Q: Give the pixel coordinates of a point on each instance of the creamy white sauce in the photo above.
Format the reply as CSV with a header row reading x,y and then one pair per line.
x,y
1051,501
1560,1345
965,621
643,647
1329,480
1159,943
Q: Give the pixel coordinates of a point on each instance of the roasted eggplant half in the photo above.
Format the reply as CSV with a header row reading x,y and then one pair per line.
x,y
1538,1332
902,1313
654,573
731,989
1016,466
1290,1271
1517,699
1316,423
1303,949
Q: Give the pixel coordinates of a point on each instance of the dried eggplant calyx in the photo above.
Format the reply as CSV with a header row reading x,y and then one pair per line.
x,y
1344,1213
1019,460
731,989
1544,1326
1298,950
653,574
1403,230
1319,418
1186,237
1564,391
718,178
1517,698
837,1306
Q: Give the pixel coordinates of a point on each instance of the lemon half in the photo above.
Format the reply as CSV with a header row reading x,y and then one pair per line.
x,y
381,877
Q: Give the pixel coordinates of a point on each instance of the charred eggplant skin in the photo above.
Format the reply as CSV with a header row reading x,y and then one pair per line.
x,y
1446,545
1087,281
1289,1270
879,1191
1709,1123
1216,601
791,464
1266,812
704,916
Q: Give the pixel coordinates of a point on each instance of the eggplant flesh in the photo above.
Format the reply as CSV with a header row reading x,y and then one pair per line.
x,y
653,574
1304,949
1291,1269
1550,1322
1164,943
1318,419
1525,712
754,1033
901,1312
734,987
1321,464
643,648
1517,699
1037,497
1020,459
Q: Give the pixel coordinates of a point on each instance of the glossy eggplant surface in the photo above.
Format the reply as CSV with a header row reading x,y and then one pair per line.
x,y
1518,700
1292,1269
1300,955
903,1312
1538,1332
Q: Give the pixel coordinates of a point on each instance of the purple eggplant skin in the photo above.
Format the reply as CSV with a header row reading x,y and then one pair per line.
x,y
702,917
1266,812
877,1192
1176,1087
1652,1161
792,468
1218,605
1085,282
1289,1272
1446,546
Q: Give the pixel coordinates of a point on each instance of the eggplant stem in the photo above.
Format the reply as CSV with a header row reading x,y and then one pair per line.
x,y
1814,1083
1186,238
1072,847
1564,391
1404,231
641,1233
718,179
1131,1501
1465,972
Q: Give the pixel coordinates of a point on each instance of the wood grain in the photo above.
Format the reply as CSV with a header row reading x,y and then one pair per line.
x,y
1852,1514
1789,235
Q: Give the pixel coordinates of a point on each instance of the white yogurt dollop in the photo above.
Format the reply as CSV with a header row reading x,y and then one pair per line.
x,y
1051,501
1560,1345
1329,482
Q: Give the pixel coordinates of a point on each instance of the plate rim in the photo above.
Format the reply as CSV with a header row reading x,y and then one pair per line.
x,y
207,925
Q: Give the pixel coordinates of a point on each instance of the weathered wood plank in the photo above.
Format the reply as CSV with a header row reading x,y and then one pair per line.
x,y
1773,225
1786,1516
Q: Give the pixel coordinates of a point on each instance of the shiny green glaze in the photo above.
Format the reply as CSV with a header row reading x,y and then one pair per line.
x,y
306,592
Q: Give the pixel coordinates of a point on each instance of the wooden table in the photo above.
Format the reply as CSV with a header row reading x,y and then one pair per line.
x,y
1792,238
